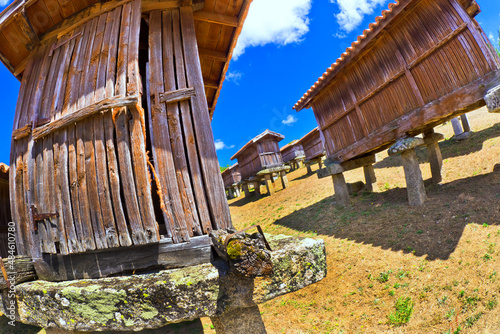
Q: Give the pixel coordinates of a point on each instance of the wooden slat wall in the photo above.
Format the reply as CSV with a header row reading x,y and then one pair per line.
x,y
93,173
423,55
292,152
312,144
249,162
192,190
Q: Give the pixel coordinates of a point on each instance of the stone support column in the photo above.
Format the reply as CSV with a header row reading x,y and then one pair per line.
x,y
284,179
431,139
245,189
320,163
230,193
256,186
269,184
465,123
341,190
414,181
308,166
457,127
370,177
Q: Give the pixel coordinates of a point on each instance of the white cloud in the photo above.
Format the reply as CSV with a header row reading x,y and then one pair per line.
x,y
4,3
492,37
274,21
289,120
352,12
219,145
234,77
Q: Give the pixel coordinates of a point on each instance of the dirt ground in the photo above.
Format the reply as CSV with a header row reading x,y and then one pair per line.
x,y
444,255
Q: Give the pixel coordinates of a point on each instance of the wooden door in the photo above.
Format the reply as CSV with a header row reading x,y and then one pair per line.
x,y
188,175
80,179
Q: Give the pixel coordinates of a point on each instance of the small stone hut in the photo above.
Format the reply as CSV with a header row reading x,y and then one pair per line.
x,y
113,155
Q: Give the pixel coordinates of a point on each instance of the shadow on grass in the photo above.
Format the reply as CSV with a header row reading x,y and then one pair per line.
x,y
385,219
449,148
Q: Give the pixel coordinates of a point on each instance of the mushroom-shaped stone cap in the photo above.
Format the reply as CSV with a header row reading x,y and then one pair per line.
x,y
405,144
492,100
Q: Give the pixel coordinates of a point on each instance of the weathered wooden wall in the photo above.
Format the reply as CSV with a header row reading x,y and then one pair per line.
x,y
5,216
260,153
231,175
313,144
429,49
291,152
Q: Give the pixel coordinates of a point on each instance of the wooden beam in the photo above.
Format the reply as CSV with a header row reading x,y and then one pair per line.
x,y
150,5
177,95
211,17
103,263
82,17
21,268
21,133
217,55
79,115
211,83
27,28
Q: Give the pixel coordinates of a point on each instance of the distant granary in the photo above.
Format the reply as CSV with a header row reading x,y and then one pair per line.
x,y
314,148
259,160
5,216
232,178
293,154
422,63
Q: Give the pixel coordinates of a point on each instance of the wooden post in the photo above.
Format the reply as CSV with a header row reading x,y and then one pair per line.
x,y
465,123
284,179
341,190
245,190
370,177
308,166
414,182
269,185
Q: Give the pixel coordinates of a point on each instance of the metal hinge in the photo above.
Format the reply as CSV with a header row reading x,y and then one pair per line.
x,y
38,217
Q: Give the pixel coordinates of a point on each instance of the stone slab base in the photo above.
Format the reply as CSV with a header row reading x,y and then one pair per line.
x,y
151,301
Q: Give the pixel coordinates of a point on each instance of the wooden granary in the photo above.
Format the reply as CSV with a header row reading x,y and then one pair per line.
x,y
314,148
113,163
232,178
5,216
422,63
293,154
259,159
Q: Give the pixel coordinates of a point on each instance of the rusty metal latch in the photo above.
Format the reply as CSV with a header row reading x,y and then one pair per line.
x,y
38,217
226,241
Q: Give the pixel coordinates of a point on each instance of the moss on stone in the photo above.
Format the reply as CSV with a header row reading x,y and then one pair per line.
x,y
92,303
234,250
148,312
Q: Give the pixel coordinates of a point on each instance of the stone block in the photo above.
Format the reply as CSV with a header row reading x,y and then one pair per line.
x,y
492,100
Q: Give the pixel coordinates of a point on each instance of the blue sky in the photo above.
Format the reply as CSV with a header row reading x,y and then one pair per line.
x,y
284,47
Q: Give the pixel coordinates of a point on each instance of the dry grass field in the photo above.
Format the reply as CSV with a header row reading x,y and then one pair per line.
x,y
440,260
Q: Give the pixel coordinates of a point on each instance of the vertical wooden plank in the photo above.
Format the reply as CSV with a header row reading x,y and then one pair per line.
x,y
138,131
88,136
66,229
120,117
171,26
210,170
92,237
79,201
160,138
108,219
189,136
114,176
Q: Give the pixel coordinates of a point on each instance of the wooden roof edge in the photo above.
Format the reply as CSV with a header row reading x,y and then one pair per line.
x,y
241,19
308,135
292,143
256,139
4,169
358,46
